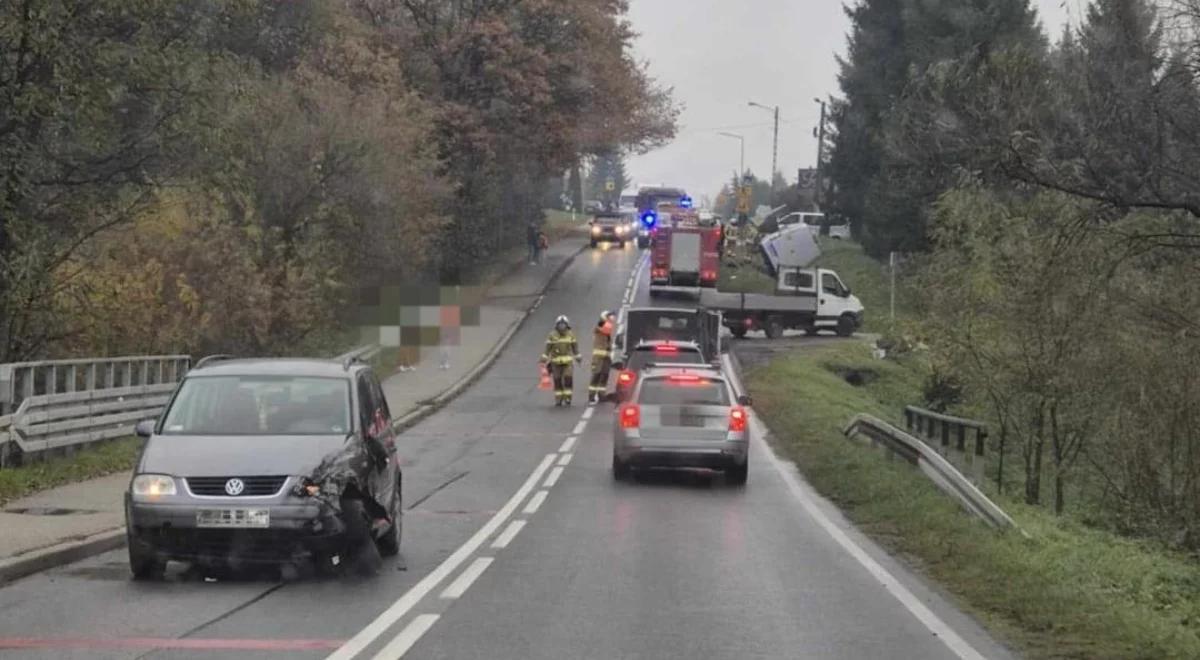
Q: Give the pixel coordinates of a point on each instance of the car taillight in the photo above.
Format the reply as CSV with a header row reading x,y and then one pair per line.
x,y
631,416
625,379
737,419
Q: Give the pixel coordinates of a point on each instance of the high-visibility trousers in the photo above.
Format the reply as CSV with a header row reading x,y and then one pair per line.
x,y
600,369
564,380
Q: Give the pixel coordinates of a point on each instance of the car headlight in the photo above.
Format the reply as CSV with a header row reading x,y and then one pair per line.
x,y
595,229
153,485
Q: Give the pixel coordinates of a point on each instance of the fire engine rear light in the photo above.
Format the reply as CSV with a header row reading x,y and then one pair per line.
x,y
737,419
658,272
631,416
708,275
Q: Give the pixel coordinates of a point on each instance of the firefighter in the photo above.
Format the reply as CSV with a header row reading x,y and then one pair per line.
x,y
601,356
561,350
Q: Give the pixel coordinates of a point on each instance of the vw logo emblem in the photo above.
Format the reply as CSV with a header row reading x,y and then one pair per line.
x,y
234,486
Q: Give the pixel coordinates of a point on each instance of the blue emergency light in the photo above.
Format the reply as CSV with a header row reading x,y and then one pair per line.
x,y
649,218
685,202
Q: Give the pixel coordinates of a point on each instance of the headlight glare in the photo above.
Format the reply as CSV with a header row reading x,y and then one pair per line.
x,y
153,485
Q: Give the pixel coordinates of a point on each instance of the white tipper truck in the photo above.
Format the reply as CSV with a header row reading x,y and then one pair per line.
x,y
809,299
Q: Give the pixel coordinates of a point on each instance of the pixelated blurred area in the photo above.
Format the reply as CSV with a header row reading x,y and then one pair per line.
x,y
417,316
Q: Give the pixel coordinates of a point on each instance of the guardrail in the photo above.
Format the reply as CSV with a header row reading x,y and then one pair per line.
x,y
940,430
939,470
61,404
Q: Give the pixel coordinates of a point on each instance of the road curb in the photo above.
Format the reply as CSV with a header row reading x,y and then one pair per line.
x,y
414,417
62,553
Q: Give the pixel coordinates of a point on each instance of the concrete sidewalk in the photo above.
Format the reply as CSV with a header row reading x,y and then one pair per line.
x,y
65,524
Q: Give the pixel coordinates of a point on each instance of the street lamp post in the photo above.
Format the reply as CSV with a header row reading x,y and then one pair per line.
x,y
774,142
742,158
820,154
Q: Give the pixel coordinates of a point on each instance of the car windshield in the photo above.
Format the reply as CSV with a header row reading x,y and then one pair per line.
x,y
683,390
260,405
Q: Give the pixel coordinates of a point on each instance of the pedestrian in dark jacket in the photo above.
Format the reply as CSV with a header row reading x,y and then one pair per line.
x,y
531,237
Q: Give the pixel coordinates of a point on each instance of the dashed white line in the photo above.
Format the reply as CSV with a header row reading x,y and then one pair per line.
x,y
579,428
565,460
535,502
407,637
568,444
509,533
553,478
391,615
587,414
464,581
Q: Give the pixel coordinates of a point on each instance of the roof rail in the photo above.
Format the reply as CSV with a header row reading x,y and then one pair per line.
x,y
351,360
213,358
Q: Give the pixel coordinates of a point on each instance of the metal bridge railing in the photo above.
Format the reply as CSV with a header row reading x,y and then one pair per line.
x,y
56,404
949,435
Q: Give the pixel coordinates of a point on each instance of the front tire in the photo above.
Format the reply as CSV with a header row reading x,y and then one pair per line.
x,y
144,565
389,543
363,554
846,325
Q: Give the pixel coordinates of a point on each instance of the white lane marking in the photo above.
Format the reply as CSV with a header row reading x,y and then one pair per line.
x,y
407,637
931,621
509,533
553,478
579,428
535,502
464,581
565,460
568,444
587,414
397,610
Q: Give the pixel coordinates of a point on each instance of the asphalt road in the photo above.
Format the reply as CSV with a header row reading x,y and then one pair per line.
x,y
518,544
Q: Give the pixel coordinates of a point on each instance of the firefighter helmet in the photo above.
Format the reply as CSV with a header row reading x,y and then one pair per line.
x,y
562,318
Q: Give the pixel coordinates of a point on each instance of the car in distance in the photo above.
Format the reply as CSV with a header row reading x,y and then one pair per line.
x,y
610,227
682,416
267,461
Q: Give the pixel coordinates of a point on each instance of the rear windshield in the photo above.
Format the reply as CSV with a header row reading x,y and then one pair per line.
x,y
260,405
644,356
667,392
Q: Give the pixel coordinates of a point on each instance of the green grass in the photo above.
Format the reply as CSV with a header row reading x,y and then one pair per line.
x,y
88,463
1068,592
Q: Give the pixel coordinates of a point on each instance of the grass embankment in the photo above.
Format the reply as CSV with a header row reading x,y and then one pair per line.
x,y
1068,592
87,463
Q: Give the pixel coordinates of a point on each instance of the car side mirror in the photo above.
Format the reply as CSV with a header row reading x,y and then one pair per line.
x,y
745,400
144,428
846,292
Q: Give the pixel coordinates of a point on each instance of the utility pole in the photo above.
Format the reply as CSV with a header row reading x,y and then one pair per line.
x,y
820,131
774,141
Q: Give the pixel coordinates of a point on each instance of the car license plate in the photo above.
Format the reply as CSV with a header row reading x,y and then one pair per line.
x,y
234,518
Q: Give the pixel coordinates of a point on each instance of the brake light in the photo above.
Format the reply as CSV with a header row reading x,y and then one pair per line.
x,y
625,378
631,416
683,378
666,348
708,275
737,419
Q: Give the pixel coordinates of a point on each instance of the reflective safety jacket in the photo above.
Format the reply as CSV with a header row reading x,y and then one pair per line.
x,y
560,348
601,344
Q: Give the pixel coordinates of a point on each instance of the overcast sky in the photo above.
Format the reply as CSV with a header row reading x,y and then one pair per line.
x,y
721,54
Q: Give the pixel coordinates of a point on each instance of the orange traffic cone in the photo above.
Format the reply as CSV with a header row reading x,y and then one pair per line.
x,y
545,383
